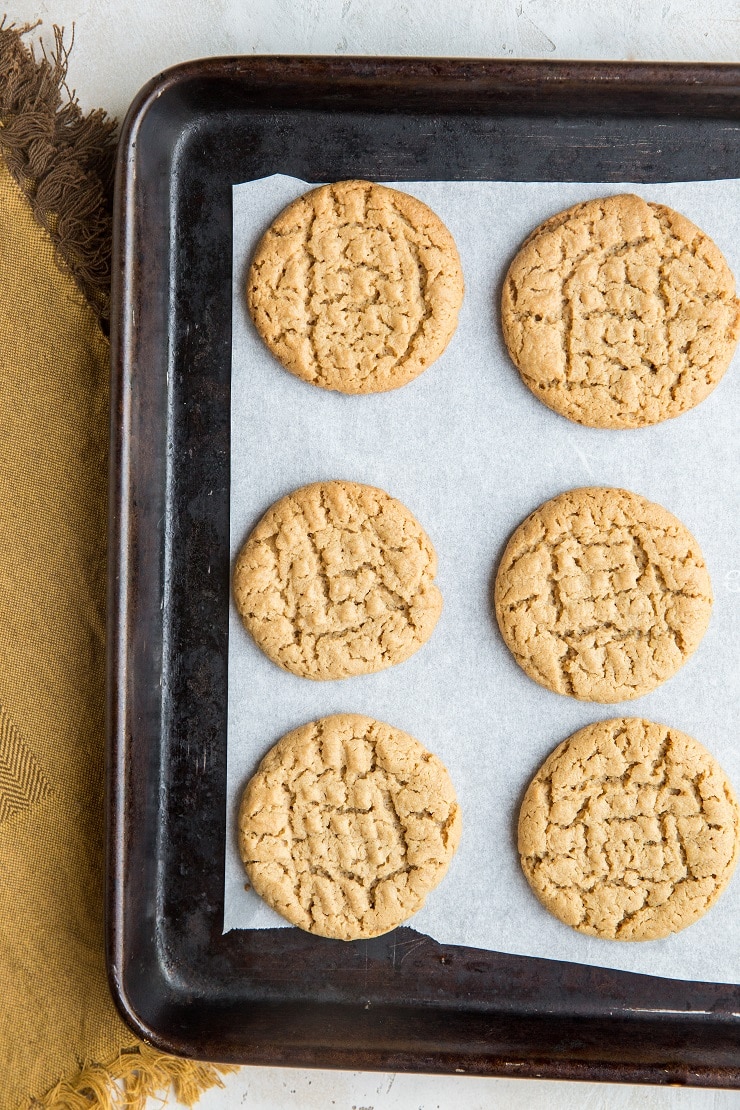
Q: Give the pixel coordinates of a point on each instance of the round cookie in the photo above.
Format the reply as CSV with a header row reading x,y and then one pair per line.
x,y
629,830
620,313
356,287
347,825
337,579
602,595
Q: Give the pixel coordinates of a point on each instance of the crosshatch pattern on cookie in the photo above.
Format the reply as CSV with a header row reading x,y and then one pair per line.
x,y
337,579
602,595
347,826
356,287
629,830
620,313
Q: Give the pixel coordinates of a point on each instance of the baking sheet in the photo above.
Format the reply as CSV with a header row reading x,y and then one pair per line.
x,y
471,452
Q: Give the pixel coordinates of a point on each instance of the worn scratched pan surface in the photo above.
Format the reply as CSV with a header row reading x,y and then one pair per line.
x,y
281,996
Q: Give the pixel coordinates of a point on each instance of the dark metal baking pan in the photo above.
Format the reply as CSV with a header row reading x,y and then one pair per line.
x,y
401,1002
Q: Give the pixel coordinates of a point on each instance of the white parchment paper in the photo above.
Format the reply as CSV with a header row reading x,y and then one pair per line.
x,y
471,452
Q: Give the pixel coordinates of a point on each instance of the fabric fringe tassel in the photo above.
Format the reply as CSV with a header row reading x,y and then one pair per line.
x,y
136,1075
62,159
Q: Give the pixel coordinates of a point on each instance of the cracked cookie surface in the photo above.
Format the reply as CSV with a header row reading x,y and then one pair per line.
x,y
629,830
356,287
337,579
347,825
620,313
602,595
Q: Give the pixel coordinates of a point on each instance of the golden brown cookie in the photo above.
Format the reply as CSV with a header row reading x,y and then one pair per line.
x,y
347,825
356,287
629,830
619,313
337,579
602,594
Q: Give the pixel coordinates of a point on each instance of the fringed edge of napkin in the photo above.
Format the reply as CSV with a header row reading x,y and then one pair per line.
x,y
61,158
134,1076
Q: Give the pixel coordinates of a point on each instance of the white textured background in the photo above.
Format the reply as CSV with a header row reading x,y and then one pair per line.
x,y
120,44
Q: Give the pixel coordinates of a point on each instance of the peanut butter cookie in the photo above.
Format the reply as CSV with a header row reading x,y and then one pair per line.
x,y
347,825
619,313
602,595
629,830
356,287
337,579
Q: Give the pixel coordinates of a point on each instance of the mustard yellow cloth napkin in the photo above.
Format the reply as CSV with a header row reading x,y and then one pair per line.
x,y
62,1044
